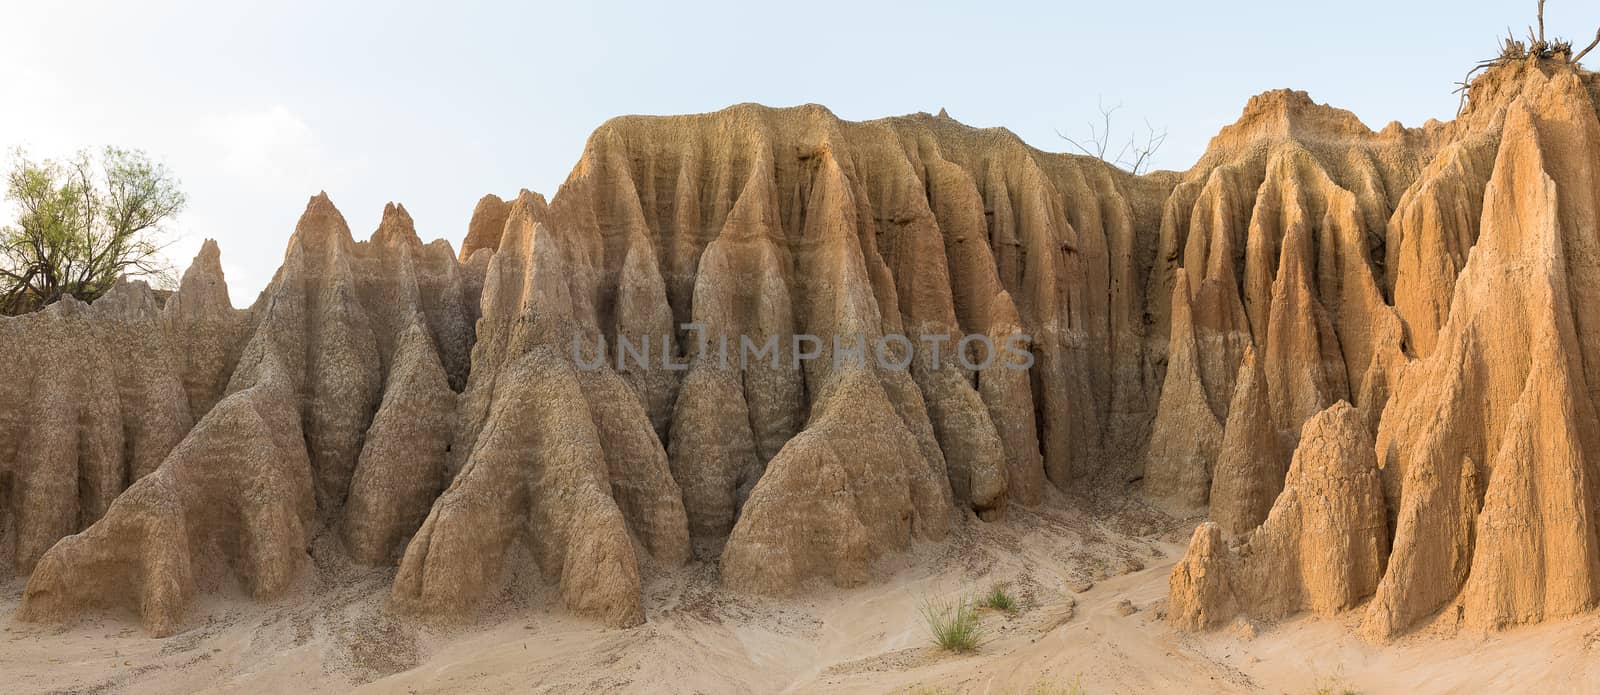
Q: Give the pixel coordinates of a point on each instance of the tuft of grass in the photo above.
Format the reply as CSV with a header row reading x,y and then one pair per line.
x,y
1044,688
999,599
1332,685
954,623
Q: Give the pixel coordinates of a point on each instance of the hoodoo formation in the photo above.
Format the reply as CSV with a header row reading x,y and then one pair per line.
x,y
1368,357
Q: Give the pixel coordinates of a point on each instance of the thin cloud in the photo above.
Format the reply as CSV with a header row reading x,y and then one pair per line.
x,y
274,147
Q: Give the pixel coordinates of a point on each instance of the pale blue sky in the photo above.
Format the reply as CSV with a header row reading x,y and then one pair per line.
x,y
258,105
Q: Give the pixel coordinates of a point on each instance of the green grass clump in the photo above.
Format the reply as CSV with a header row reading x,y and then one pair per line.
x,y
999,599
954,624
1332,685
1044,688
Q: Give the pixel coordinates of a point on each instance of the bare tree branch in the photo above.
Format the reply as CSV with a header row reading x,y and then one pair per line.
x,y
1133,156
1153,142
1590,47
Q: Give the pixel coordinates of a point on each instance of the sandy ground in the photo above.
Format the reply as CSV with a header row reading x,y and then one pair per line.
x,y
1077,573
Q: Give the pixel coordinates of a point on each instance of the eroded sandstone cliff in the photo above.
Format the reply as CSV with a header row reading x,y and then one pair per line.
x,y
1483,411
1364,354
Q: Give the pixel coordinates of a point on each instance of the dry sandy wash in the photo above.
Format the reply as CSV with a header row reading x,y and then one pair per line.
x,y
1322,407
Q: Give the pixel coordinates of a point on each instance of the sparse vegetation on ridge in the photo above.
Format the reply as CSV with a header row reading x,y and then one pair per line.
x,y
1536,46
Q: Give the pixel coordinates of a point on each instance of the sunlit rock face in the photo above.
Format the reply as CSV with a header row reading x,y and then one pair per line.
x,y
1481,399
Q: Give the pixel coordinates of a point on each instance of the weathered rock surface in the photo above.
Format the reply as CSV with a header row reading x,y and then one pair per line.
x,y
534,477
1333,341
262,470
1321,549
1250,466
1484,413
91,399
1488,445
488,222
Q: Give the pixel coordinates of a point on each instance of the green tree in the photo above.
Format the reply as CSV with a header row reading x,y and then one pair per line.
x,y
83,223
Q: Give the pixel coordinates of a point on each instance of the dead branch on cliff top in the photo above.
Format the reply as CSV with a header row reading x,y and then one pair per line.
x,y
1512,50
